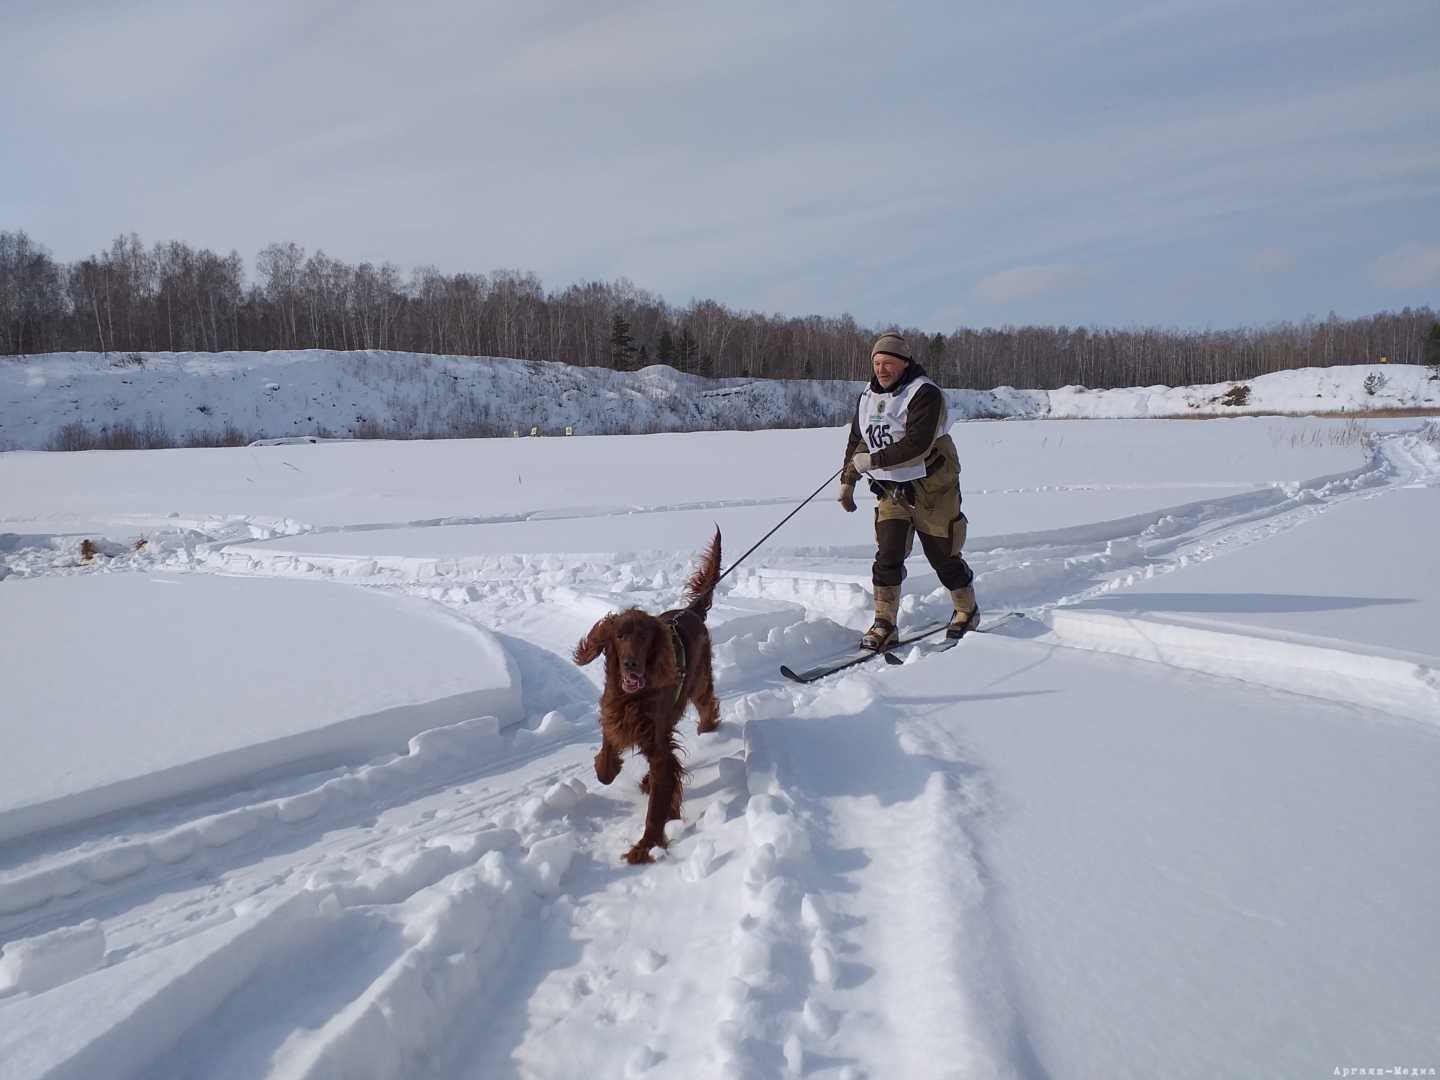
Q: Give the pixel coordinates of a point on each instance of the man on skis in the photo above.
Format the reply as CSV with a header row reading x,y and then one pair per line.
x,y
898,436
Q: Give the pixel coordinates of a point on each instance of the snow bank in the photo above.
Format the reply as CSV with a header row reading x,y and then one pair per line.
x,y
1302,390
34,965
287,396
1401,687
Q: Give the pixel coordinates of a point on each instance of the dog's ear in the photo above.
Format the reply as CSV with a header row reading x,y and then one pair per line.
x,y
595,642
660,666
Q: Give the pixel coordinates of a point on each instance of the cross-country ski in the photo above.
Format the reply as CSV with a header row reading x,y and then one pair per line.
x,y
857,655
860,655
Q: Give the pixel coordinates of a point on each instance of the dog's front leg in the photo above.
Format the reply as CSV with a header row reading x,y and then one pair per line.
x,y
665,795
607,762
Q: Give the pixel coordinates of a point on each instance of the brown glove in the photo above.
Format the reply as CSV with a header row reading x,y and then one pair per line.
x,y
847,497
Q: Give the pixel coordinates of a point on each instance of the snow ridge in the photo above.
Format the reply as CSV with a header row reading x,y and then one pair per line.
x,y
1334,672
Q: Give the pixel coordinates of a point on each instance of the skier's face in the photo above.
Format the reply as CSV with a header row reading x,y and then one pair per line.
x,y
888,369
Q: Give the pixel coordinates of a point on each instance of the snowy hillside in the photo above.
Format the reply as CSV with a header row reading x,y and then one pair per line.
x,y
298,778
339,394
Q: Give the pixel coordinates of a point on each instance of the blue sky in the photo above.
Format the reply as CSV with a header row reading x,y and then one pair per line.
x,y
934,164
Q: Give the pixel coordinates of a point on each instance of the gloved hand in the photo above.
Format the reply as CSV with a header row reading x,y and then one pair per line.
x,y
861,462
847,497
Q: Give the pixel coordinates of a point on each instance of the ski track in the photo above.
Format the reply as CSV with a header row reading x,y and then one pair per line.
x,y
460,910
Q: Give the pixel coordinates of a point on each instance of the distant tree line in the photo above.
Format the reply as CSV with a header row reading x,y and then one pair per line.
x,y
172,297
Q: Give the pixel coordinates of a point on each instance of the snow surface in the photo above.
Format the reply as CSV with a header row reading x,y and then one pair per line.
x,y
1378,584
197,681
1180,821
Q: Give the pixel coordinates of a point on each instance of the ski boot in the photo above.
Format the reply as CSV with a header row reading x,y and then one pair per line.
x,y
967,614
882,632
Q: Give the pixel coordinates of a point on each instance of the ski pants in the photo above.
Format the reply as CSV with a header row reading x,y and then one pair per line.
x,y
894,540
933,512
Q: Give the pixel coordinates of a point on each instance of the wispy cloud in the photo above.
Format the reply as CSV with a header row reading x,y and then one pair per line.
x,y
1270,260
1027,282
1413,266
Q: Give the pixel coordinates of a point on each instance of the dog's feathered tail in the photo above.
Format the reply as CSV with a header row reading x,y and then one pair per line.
x,y
700,589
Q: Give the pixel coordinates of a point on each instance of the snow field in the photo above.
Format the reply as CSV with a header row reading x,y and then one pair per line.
x,y
257,492
1015,859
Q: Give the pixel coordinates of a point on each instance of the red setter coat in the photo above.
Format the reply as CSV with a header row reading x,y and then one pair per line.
x,y
654,667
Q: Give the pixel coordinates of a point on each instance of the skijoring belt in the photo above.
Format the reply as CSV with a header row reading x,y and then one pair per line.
x,y
901,491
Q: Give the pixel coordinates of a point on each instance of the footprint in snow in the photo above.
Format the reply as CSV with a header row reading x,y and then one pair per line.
x,y
643,1060
648,961
580,988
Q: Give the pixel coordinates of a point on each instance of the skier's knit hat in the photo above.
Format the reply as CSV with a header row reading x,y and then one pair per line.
x,y
893,345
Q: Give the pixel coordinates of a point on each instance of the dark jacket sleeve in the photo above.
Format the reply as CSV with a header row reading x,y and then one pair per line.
x,y
853,446
921,429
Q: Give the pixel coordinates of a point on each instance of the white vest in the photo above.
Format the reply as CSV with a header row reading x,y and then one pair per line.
x,y
882,424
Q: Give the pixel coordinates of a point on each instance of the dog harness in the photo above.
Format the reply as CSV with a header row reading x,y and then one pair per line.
x,y
679,644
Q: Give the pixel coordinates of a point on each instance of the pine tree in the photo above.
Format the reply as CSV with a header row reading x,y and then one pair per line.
x,y
665,351
622,345
1432,350
642,358
935,353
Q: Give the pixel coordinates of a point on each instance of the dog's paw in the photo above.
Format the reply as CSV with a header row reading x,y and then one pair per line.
x,y
606,767
638,854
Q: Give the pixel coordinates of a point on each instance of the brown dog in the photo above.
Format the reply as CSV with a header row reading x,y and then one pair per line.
x,y
654,667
